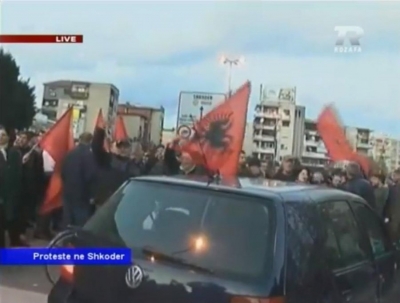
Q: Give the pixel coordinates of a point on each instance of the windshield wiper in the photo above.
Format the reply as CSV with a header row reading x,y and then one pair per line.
x,y
174,260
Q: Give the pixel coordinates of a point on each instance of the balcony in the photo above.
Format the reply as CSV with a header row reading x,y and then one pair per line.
x,y
264,138
311,143
310,132
264,150
363,144
264,126
315,155
267,114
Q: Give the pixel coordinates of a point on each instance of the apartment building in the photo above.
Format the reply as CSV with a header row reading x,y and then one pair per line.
x,y
143,123
314,151
86,98
386,148
278,124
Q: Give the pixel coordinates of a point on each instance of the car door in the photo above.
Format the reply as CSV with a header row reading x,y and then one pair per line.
x,y
382,250
347,254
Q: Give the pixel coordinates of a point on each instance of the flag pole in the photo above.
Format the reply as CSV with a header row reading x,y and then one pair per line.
x,y
28,154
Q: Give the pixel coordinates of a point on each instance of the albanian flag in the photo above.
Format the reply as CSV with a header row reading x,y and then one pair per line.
x,y
217,139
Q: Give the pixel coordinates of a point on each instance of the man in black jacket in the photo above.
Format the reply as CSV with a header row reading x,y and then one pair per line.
x,y
393,207
114,167
286,172
10,190
356,184
78,174
32,179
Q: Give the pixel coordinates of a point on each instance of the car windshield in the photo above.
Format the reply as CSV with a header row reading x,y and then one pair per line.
x,y
224,233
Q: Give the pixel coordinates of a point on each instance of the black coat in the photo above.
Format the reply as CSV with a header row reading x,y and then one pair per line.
x,y
11,182
284,178
113,170
392,211
361,187
33,179
78,174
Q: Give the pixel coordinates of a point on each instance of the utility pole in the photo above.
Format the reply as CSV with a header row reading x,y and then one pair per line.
x,y
231,63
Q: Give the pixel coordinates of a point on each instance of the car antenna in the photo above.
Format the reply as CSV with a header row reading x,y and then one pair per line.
x,y
212,176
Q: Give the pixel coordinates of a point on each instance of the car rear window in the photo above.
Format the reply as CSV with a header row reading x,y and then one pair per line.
x,y
229,234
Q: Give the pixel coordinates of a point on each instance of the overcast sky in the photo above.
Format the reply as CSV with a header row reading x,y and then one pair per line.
x,y
153,50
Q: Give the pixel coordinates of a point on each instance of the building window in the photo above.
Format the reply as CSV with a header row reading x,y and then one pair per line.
x,y
52,92
78,89
285,123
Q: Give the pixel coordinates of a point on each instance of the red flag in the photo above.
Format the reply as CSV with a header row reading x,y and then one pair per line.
x,y
100,123
57,142
335,140
100,120
120,132
333,135
218,136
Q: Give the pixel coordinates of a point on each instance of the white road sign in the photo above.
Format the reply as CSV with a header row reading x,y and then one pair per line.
x,y
193,105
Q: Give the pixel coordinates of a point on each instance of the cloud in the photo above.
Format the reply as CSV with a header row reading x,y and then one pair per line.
x,y
151,51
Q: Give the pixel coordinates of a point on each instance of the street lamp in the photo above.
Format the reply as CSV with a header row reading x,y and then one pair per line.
x,y
231,62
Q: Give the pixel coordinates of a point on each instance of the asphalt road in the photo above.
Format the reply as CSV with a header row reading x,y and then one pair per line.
x,y
25,284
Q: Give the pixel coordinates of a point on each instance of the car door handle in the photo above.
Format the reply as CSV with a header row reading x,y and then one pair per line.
x,y
347,295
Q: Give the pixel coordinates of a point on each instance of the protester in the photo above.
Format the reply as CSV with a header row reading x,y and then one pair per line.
x,y
137,157
160,166
393,207
242,165
381,192
47,222
10,190
318,178
78,174
188,167
304,176
114,168
286,171
337,178
356,184
32,180
254,168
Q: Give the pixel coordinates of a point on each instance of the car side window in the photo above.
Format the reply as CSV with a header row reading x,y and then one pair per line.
x,y
343,241
374,226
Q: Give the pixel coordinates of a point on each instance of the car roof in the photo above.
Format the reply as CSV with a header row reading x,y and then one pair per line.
x,y
283,191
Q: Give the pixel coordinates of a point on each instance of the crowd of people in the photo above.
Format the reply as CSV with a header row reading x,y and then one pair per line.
x,y
91,173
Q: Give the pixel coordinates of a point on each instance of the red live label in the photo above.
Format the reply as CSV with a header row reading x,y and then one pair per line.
x,y
41,38
69,39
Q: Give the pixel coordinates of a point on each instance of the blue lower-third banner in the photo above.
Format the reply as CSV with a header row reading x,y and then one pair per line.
x,y
61,256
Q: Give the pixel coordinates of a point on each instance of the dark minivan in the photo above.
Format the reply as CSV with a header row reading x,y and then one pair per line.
x,y
257,241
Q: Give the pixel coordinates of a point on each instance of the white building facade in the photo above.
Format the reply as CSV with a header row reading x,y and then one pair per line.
x,y
314,151
278,124
386,148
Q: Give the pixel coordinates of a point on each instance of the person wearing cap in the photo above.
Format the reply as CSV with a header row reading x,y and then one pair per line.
x,y
114,167
286,171
78,175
